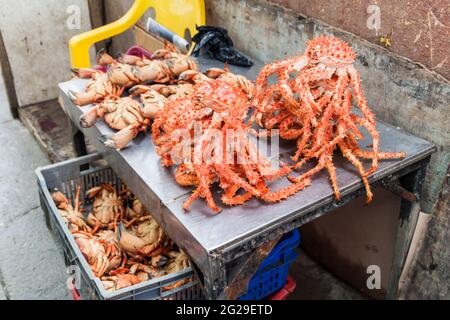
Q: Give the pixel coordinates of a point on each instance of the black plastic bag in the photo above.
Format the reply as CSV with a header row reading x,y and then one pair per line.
x,y
218,44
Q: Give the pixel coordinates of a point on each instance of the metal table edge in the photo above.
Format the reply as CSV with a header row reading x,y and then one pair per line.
x,y
325,201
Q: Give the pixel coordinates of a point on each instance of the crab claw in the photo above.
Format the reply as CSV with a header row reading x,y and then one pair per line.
x,y
214,73
159,261
120,139
162,54
128,59
192,75
129,242
122,76
150,73
59,197
138,89
82,98
89,118
92,192
83,73
103,58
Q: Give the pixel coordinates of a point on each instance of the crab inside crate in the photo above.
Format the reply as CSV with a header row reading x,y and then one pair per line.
x,y
90,171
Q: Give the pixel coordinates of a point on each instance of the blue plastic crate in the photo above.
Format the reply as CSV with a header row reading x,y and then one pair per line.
x,y
273,271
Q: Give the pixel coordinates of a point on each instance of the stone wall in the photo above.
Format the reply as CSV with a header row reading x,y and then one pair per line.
x,y
417,29
36,36
430,275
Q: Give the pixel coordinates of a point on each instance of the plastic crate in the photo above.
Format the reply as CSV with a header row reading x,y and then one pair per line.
x,y
281,294
272,273
65,176
284,292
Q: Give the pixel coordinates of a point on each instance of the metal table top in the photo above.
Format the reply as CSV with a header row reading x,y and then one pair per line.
x,y
201,232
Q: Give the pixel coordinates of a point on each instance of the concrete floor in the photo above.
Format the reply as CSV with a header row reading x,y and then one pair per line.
x,y
315,283
31,264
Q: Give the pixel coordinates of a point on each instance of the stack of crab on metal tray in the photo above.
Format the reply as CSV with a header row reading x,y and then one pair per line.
x,y
310,101
120,240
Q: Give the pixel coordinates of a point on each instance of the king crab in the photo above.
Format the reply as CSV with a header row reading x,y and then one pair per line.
x,y
153,98
313,99
217,105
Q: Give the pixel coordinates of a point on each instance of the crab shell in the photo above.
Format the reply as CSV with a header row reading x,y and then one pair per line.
x,y
112,248
107,206
113,283
94,252
127,112
152,103
150,231
330,51
144,239
98,88
178,261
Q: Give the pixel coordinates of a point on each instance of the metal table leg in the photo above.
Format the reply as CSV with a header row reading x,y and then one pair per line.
x,y
409,212
239,284
79,143
229,280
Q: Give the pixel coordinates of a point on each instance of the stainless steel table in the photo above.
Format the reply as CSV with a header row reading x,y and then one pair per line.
x,y
227,248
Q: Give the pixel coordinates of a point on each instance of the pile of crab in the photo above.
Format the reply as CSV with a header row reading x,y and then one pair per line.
x,y
127,92
206,137
120,240
309,101
203,123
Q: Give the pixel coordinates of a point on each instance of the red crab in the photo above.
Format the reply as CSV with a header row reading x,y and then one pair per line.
x,y
312,103
212,117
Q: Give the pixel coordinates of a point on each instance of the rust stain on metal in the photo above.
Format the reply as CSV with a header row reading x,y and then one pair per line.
x,y
239,284
396,188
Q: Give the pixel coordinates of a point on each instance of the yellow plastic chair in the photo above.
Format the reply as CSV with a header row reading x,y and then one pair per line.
x,y
177,15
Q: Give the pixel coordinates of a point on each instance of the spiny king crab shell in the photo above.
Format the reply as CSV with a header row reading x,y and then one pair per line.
x,y
220,105
313,97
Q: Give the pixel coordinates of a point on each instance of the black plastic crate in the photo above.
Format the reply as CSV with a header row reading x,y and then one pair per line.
x,y
65,176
